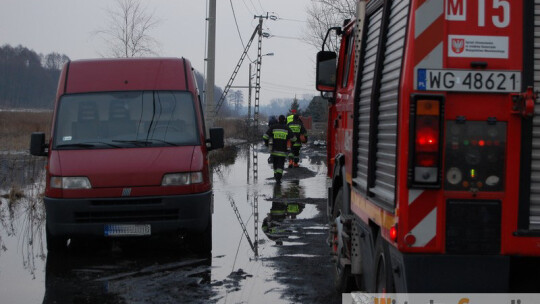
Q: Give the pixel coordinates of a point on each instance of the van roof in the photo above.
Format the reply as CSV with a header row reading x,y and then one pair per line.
x,y
129,74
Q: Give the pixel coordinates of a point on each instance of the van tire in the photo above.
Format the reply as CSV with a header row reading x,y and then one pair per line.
x,y
55,244
201,243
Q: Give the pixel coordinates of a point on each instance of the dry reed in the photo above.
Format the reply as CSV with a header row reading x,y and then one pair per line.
x,y
16,127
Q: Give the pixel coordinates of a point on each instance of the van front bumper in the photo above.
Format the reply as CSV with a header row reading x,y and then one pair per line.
x,y
165,214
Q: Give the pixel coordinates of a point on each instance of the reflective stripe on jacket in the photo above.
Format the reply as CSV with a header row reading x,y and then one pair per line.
x,y
280,134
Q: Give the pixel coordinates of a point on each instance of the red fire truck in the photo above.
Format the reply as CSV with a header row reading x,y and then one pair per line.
x,y
433,145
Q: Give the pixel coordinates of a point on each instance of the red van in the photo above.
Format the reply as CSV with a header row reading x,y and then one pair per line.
x,y
127,154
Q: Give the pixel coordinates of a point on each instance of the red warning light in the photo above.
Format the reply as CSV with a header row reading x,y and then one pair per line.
x,y
393,233
481,143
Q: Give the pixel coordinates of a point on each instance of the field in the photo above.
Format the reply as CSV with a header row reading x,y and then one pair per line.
x,y
16,127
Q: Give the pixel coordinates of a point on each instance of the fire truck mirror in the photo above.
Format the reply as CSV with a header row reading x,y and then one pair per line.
x,y
326,71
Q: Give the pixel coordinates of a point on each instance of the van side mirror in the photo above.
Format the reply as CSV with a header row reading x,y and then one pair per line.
x,y
37,144
216,138
326,71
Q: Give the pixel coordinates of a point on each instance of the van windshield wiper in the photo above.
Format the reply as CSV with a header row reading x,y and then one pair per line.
x,y
88,144
103,143
76,145
163,141
146,142
135,142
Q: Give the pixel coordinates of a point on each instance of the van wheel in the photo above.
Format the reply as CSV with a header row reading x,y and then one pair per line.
x,y
55,244
201,243
384,280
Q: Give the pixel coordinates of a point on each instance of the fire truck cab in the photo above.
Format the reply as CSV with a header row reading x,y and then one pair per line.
x,y
434,146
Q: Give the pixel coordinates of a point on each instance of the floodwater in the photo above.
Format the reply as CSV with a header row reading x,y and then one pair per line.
x,y
158,270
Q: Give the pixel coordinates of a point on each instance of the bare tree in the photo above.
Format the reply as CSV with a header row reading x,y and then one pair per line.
x,y
324,14
128,30
54,61
236,98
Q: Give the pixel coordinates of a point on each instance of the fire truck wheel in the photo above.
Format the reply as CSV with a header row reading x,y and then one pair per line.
x,y
338,203
384,282
343,280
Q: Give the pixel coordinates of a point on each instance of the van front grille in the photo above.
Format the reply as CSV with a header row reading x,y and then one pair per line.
x,y
127,216
124,202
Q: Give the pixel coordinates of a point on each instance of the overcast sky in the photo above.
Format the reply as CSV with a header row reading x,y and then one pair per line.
x,y
68,27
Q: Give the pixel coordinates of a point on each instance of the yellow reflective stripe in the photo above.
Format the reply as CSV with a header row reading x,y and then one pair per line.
x,y
295,128
279,154
265,136
290,118
280,134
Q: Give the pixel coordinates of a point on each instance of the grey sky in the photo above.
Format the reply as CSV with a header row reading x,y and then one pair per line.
x,y
67,26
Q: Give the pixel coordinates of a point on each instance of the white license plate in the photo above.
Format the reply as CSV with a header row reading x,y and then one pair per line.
x,y
469,81
127,230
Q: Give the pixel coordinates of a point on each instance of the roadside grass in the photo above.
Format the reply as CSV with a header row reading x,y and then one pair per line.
x,y
14,194
16,127
233,127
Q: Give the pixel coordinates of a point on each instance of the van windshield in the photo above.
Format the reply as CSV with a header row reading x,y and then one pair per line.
x,y
126,119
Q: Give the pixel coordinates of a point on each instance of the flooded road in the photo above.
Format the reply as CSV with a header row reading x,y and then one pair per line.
x,y
280,257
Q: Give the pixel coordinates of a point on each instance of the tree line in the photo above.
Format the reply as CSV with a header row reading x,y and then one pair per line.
x,y
28,79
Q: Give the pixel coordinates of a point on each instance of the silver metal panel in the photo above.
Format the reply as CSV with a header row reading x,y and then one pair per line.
x,y
534,219
364,102
385,176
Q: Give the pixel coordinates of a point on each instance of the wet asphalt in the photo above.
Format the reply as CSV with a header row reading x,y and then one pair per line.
x,y
289,261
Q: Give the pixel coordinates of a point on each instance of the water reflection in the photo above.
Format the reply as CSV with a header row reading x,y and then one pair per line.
x,y
286,205
22,213
118,272
131,270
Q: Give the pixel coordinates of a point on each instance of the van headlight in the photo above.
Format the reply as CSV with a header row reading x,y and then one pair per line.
x,y
75,182
180,179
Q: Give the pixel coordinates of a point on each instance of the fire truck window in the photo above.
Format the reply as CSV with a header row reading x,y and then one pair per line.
x,y
347,67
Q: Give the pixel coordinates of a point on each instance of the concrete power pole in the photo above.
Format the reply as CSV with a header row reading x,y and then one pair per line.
x,y
210,65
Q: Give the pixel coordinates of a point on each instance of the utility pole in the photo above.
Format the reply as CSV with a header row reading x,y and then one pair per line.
x,y
249,100
256,123
210,65
258,71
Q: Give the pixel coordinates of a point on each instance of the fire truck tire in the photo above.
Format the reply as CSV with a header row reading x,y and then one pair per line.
x,y
343,280
338,204
384,282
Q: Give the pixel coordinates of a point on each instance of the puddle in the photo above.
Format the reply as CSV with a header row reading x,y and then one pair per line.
x,y
157,271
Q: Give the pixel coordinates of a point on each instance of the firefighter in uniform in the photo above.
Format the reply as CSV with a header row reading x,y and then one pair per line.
x,y
300,133
280,134
291,116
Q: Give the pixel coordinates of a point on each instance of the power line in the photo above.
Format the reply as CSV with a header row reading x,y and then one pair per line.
x,y
287,91
253,5
293,20
285,86
247,7
262,8
238,28
287,37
